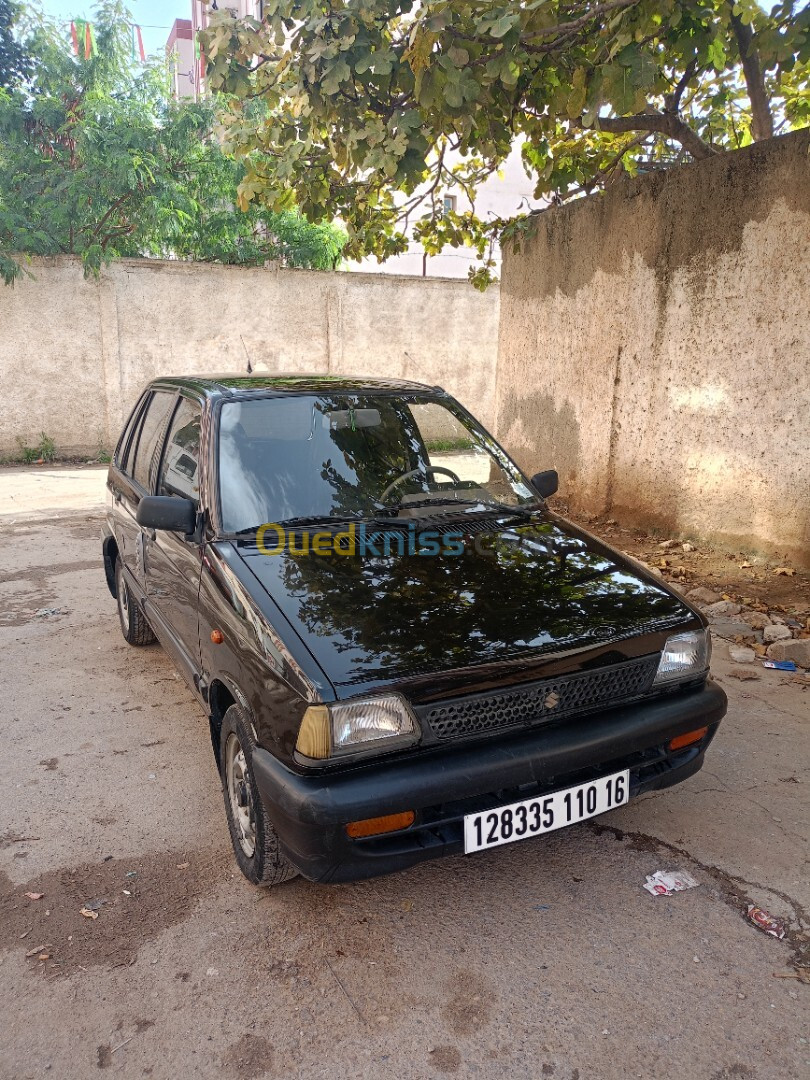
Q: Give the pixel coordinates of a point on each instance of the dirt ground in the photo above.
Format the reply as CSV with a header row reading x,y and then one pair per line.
x,y
540,959
768,582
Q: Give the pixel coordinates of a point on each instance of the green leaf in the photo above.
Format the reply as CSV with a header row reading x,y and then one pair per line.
x,y
502,27
717,53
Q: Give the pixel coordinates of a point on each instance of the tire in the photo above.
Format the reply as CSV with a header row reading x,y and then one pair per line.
x,y
134,627
255,843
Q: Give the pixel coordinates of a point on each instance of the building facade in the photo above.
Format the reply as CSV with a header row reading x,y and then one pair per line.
x,y
180,52
187,68
503,195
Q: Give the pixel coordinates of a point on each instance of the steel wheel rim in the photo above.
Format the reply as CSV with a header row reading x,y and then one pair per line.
x,y
240,795
123,601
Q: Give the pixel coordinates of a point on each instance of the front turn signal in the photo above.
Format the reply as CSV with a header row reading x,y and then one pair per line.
x,y
680,741
374,826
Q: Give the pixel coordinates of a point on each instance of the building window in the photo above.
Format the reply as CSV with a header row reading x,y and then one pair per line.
x,y
449,204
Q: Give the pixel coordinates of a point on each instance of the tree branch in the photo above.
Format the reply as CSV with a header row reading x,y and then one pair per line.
x,y
112,210
761,115
583,20
664,123
672,101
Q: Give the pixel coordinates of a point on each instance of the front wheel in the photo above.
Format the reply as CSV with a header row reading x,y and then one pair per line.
x,y
134,627
254,839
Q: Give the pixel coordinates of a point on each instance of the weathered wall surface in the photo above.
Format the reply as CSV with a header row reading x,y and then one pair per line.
x,y
75,353
655,347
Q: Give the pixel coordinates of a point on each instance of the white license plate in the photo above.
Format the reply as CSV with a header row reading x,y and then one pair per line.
x,y
545,813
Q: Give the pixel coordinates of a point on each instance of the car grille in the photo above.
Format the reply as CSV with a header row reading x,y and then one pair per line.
x,y
540,702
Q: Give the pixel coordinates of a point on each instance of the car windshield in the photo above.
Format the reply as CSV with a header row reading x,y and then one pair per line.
x,y
340,455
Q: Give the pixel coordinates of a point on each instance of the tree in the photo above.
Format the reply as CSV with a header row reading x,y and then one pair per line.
x,y
14,60
374,109
204,222
96,160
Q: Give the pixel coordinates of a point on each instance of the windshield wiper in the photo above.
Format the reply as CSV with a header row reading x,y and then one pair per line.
x,y
296,522
318,519
520,511
290,523
502,509
420,503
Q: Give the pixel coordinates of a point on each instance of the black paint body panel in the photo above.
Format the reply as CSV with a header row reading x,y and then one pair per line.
x,y
532,597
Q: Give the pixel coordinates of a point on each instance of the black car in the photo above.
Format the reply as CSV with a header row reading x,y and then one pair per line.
x,y
403,652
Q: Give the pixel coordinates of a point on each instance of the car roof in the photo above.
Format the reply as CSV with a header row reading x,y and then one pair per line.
x,y
235,385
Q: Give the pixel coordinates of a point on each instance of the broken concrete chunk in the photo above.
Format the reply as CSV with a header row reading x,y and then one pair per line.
x,y
798,651
652,569
741,654
703,596
757,620
733,628
723,607
776,633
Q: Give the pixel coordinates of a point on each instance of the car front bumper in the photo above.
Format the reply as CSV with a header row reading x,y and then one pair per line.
x,y
310,813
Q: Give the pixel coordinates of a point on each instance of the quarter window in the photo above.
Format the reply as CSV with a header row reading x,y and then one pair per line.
x,y
180,468
156,413
127,441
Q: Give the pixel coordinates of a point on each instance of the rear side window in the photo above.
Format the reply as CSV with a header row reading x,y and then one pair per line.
x,y
180,468
157,412
123,451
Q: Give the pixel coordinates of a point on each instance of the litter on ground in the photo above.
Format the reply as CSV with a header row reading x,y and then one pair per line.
x,y
766,922
666,882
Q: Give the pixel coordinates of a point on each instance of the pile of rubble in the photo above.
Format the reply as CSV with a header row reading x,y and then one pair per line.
x,y
762,631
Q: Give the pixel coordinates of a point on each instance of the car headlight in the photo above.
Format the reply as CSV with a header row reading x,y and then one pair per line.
x,y
684,655
368,726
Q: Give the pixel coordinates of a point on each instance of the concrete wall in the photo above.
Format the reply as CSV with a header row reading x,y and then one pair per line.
x,y
655,347
75,353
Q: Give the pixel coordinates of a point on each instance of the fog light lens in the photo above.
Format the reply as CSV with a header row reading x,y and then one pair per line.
x,y
373,826
680,741
683,655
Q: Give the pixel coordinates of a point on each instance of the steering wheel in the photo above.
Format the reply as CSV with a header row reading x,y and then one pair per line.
x,y
419,472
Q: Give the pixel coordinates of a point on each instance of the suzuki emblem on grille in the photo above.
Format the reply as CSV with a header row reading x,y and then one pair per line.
x,y
552,700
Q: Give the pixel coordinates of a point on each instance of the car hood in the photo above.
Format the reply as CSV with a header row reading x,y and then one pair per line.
x,y
521,589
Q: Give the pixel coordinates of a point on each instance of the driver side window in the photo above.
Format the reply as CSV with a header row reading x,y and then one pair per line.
x,y
450,447
180,467
460,460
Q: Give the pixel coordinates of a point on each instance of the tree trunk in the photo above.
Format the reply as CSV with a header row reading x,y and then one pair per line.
x,y
761,115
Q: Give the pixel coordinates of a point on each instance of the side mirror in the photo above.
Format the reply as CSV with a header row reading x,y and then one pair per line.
x,y
546,483
167,512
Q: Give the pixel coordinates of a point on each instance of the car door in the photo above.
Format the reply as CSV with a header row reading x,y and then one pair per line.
x,y
133,479
173,561
120,521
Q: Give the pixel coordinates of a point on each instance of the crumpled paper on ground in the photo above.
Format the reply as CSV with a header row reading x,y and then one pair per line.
x,y
666,882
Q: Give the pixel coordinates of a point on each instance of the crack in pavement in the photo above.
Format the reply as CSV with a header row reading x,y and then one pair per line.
x,y
732,889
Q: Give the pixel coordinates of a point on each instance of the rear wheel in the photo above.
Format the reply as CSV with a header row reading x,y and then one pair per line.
x,y
134,627
255,842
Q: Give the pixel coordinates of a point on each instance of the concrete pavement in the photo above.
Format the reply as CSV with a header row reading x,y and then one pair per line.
x,y
30,491
539,959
